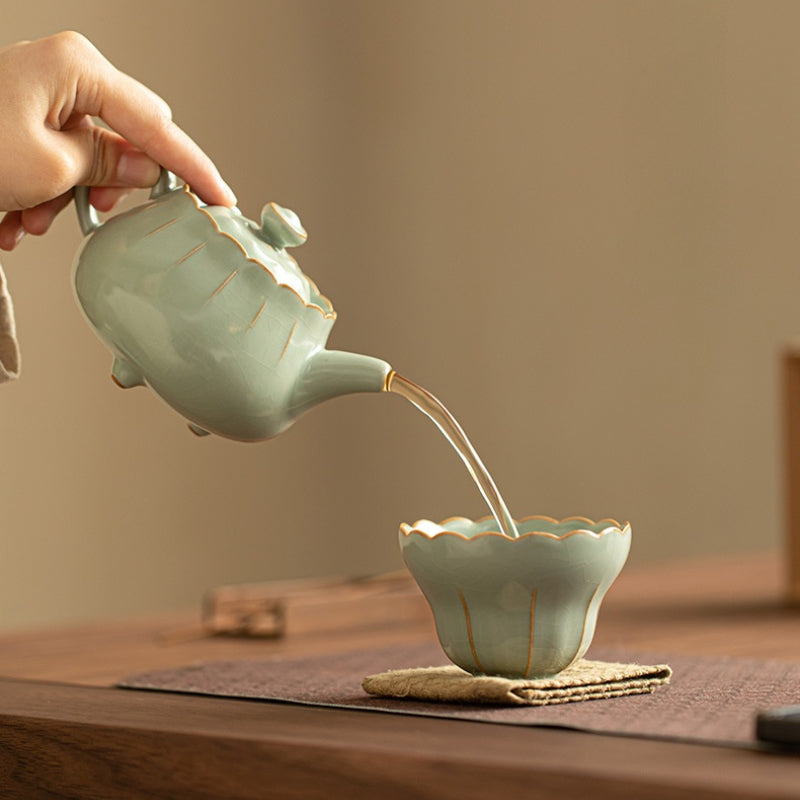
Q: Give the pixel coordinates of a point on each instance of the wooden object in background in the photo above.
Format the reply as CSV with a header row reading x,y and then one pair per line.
x,y
791,429
315,605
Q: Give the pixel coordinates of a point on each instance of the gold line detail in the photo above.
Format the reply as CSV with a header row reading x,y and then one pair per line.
x,y
162,227
469,631
258,314
530,634
583,631
138,209
625,530
286,346
326,314
191,253
223,285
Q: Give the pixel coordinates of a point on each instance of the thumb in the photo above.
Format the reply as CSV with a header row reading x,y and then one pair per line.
x,y
103,158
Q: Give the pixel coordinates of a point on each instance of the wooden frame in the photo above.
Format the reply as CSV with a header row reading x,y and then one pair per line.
x,y
791,445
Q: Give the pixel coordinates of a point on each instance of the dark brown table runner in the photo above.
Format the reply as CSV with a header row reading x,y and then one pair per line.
x,y
709,700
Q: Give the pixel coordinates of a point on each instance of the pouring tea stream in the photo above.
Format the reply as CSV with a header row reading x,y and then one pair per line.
x,y
209,310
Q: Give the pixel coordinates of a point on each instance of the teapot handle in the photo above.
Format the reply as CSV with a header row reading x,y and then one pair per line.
x,y
167,182
87,214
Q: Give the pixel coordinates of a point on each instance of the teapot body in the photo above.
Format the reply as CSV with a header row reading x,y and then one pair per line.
x,y
220,324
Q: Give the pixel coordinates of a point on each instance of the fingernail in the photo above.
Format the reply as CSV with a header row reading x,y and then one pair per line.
x,y
136,169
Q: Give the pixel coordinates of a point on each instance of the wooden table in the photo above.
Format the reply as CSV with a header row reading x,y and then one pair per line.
x,y
65,733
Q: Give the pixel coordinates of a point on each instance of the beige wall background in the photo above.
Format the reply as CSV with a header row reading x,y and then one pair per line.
x,y
574,222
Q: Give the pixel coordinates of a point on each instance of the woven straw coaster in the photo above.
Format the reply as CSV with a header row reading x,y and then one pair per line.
x,y
584,680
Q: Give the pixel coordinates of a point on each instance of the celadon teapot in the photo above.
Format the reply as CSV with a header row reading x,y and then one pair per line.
x,y
210,311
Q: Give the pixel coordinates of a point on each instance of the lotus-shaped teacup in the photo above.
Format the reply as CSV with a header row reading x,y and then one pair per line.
x,y
522,607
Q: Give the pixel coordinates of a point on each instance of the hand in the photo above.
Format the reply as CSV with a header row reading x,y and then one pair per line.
x,y
50,91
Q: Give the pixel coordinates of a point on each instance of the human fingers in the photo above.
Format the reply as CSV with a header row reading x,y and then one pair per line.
x,y
49,144
104,198
37,220
11,230
163,141
128,110
101,157
143,119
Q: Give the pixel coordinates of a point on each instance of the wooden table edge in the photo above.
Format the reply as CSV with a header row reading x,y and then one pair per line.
x,y
82,740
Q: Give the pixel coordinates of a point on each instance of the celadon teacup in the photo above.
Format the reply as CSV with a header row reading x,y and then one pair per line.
x,y
521,607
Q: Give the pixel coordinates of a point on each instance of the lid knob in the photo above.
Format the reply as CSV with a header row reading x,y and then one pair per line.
x,y
280,227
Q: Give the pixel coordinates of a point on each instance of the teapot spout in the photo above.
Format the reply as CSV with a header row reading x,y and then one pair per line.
x,y
330,373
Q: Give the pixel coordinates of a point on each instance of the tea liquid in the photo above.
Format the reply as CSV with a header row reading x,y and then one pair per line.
x,y
453,432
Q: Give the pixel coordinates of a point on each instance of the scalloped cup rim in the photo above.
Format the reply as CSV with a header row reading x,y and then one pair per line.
x,y
612,527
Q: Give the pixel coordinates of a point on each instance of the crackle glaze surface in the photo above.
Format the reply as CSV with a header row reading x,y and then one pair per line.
x,y
210,311
524,607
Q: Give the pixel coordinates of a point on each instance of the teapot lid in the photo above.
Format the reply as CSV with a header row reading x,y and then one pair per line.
x,y
267,244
